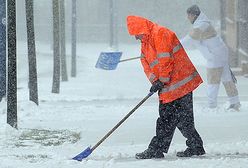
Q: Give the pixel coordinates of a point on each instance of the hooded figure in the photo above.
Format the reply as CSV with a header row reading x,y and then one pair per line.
x,y
172,74
204,37
164,59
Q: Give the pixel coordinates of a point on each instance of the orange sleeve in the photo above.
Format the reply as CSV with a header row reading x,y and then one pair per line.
x,y
164,46
147,70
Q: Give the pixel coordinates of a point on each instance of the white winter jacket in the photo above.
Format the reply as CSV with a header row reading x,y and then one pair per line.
x,y
204,37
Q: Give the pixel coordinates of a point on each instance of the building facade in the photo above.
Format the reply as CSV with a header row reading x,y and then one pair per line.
x,y
234,30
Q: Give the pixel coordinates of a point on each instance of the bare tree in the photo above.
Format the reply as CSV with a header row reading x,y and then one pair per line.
x,y
2,49
33,88
74,39
56,48
63,41
12,75
113,40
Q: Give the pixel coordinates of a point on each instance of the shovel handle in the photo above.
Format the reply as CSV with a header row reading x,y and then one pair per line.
x,y
119,123
129,59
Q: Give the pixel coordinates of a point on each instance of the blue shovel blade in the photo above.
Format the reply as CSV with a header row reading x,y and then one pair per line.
x,y
108,60
83,154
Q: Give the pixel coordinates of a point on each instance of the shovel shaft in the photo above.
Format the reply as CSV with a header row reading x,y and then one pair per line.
x,y
124,119
129,59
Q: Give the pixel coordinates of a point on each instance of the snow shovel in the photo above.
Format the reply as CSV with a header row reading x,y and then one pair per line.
x,y
89,150
110,60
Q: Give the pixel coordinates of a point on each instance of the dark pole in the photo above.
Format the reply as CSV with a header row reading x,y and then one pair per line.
x,y
2,49
64,75
12,75
33,86
74,39
56,48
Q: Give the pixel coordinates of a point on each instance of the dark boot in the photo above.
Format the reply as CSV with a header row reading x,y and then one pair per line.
x,y
149,154
191,152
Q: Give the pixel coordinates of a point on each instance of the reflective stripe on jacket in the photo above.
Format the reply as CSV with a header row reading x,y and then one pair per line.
x,y
164,58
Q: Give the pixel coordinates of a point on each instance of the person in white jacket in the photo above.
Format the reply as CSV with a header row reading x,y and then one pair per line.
x,y
204,37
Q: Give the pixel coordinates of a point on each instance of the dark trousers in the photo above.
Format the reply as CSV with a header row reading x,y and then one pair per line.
x,y
176,114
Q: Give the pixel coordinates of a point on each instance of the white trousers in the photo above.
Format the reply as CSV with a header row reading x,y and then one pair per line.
x,y
214,77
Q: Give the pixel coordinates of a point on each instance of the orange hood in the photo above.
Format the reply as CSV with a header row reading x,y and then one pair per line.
x,y
138,25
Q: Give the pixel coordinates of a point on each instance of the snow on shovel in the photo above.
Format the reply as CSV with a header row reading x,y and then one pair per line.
x,y
110,60
89,150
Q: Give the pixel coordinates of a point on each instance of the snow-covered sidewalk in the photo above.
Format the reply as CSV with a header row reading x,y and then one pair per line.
x,y
90,105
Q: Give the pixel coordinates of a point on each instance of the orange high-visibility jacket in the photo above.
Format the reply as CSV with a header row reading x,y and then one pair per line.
x,y
163,58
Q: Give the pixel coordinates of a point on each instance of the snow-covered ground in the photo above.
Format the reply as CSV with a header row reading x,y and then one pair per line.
x,y
89,105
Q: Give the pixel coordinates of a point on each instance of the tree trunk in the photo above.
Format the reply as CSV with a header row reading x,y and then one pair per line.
x,y
12,75
63,41
74,39
113,42
33,88
2,49
56,48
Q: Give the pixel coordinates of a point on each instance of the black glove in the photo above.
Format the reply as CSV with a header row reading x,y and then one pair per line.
x,y
157,85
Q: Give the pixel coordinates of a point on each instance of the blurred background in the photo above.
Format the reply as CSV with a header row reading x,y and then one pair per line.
x,y
94,16
94,21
